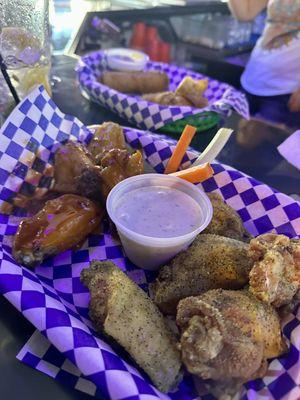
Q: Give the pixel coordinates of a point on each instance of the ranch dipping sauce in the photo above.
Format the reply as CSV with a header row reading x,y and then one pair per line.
x,y
157,216
158,211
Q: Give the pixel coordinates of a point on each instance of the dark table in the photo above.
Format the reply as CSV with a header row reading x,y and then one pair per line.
x,y
262,162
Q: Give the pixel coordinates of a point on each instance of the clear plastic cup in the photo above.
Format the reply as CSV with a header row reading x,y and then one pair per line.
x,y
152,252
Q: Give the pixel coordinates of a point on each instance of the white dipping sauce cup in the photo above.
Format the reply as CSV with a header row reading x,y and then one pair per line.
x,y
126,59
152,252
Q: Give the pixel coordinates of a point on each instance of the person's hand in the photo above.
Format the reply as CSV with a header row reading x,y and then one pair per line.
x,y
294,101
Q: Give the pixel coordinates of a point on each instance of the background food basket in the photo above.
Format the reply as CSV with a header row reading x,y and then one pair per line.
x,y
146,115
52,298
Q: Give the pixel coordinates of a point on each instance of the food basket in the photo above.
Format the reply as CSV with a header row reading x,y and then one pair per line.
x,y
52,298
146,115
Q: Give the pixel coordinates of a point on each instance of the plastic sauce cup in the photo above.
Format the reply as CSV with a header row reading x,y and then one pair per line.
x,y
151,252
126,59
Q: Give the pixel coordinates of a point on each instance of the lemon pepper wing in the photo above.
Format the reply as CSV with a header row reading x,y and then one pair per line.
x,y
226,221
228,336
120,309
211,262
275,276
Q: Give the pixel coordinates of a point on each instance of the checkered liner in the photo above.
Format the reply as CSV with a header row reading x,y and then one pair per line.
x,y
52,297
222,97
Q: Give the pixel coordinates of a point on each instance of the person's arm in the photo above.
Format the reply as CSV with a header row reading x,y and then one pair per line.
x,y
247,10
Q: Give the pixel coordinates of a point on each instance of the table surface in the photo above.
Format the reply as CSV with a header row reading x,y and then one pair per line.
x,y
263,162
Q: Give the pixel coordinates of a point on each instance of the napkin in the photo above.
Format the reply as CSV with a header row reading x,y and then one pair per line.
x,y
290,149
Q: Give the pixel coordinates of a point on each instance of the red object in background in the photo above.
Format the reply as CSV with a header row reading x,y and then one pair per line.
x,y
152,43
164,52
153,50
145,38
138,38
151,33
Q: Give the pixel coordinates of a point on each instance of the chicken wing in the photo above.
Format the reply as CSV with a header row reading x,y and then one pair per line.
x,y
211,262
275,277
106,137
228,335
226,221
118,165
75,172
60,225
120,309
108,150
93,172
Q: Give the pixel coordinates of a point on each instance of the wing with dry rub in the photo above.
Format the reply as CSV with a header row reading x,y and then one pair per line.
x,y
227,336
226,221
275,277
62,224
120,309
211,262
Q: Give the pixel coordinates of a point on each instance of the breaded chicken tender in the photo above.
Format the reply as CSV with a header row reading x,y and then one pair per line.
x,y
120,309
228,335
225,220
211,262
275,277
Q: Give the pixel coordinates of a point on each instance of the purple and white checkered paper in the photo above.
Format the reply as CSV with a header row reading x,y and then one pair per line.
x,y
146,115
52,297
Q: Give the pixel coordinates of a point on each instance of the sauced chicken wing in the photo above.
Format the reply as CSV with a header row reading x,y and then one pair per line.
x,y
118,165
226,221
75,172
75,169
227,336
60,225
275,277
211,262
108,150
120,309
106,137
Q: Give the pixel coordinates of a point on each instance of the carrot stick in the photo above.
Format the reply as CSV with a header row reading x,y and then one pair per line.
x,y
180,149
195,174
